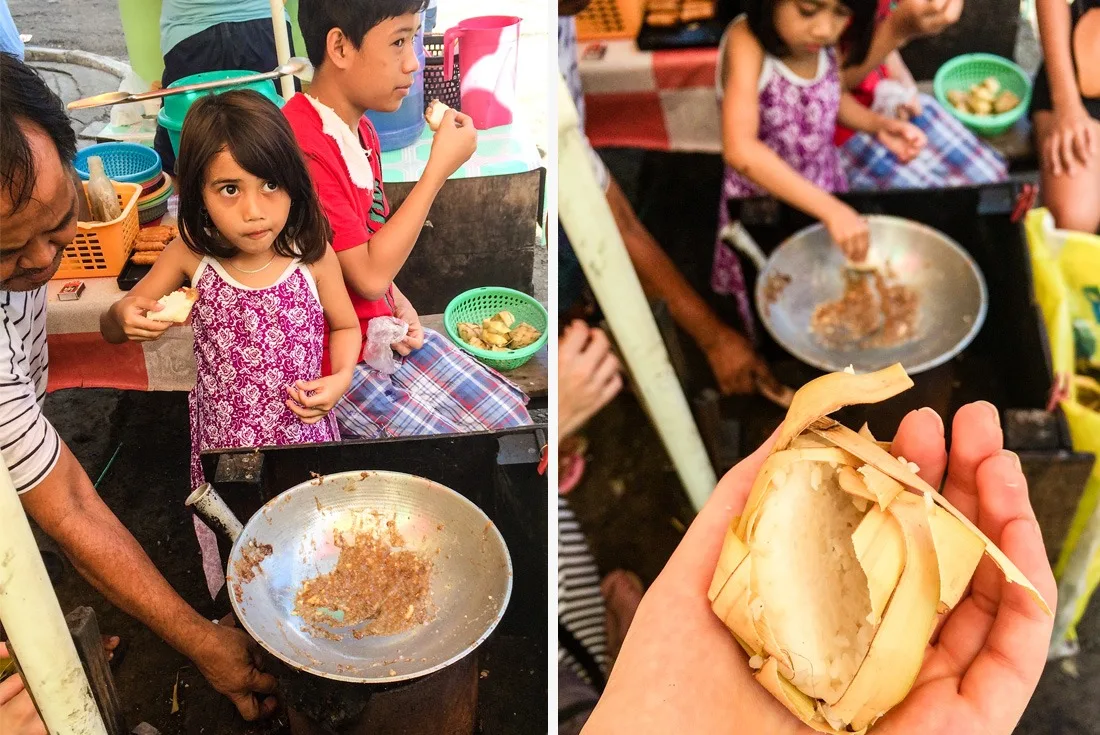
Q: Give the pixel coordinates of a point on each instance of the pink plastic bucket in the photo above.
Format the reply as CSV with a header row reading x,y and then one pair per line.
x,y
487,67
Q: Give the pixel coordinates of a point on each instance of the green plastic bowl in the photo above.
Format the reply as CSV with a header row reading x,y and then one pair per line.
x,y
482,303
175,108
964,71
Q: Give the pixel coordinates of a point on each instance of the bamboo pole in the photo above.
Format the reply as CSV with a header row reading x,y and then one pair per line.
x,y
282,45
587,219
38,636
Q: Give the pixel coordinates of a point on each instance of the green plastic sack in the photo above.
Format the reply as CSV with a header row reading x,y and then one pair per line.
x,y
1066,269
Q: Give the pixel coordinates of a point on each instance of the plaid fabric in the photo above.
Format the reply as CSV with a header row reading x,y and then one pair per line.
x,y
438,389
953,157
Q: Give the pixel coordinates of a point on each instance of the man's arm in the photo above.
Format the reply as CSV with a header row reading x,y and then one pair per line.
x,y
69,510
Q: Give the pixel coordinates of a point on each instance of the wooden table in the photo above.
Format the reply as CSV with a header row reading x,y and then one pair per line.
x,y
80,358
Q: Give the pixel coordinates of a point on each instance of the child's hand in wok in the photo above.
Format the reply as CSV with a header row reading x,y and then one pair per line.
x,y
312,400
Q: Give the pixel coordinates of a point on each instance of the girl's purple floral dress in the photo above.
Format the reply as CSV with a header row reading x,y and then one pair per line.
x,y
798,119
250,344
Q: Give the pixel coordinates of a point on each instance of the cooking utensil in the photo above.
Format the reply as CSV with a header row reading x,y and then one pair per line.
x,y
953,296
471,580
297,66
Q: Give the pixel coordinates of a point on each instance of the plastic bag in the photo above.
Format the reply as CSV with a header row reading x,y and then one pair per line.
x,y
133,112
890,95
1066,268
382,332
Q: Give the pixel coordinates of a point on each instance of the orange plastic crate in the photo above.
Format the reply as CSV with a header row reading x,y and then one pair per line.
x,y
100,249
610,20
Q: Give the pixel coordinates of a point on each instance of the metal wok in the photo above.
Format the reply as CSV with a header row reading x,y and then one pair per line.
x,y
471,579
953,296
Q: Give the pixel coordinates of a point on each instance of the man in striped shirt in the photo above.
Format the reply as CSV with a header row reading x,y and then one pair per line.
x,y
40,203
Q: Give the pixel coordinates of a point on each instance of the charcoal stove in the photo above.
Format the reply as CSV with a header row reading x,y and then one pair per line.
x,y
501,687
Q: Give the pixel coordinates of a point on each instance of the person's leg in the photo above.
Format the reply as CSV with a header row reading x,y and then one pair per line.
x,y
1074,202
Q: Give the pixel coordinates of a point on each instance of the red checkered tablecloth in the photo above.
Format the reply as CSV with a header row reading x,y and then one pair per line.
x,y
659,100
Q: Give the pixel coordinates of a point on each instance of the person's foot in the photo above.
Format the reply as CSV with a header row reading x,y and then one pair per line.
x,y
622,593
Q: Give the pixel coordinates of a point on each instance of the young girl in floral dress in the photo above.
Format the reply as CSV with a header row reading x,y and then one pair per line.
x,y
779,82
255,245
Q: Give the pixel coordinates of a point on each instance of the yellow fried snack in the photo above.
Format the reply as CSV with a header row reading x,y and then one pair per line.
x,y
523,335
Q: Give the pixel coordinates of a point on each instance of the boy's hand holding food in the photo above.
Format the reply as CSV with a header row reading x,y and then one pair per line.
x,y
454,142
904,139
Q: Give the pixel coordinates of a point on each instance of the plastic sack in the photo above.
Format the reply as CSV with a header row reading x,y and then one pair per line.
x,y
1066,269
890,95
382,332
133,112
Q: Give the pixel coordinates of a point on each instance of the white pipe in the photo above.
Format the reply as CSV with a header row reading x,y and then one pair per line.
x,y
587,219
282,44
36,629
214,510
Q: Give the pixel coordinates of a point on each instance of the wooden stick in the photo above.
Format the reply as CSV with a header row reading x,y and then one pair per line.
x,y
89,647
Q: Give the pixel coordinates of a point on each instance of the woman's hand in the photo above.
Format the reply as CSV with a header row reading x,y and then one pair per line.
x,y
735,364
588,376
1073,141
904,139
849,231
130,313
311,401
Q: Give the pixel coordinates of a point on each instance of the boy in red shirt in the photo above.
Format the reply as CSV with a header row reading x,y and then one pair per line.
x,y
362,53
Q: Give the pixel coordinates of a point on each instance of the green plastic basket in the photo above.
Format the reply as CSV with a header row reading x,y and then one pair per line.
x,y
482,303
964,71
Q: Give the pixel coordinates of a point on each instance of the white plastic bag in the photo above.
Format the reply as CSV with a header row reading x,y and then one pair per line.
x,y
133,112
382,332
890,95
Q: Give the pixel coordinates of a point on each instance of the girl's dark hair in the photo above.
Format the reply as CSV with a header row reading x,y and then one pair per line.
x,y
856,42
253,130
353,17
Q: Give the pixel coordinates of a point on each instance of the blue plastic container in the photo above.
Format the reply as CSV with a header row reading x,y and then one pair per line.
x,y
403,127
126,162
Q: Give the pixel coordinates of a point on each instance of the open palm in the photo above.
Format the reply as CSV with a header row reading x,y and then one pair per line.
x,y
680,669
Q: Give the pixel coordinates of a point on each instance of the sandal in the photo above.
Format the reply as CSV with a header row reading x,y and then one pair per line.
x,y
571,463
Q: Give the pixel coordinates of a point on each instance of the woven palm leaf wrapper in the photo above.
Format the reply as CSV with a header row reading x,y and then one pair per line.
x,y
834,577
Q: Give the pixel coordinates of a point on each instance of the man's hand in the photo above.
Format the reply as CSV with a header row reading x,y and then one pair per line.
x,y
130,313
312,400
414,340
917,18
1073,141
230,660
977,676
735,364
588,375
904,139
452,145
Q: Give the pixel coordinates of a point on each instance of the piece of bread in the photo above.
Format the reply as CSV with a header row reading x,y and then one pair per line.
x,y
434,114
160,233
145,247
145,257
177,306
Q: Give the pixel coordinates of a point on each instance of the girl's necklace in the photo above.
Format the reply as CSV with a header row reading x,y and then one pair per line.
x,y
257,270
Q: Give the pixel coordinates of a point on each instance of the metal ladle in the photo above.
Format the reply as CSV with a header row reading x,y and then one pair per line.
x,y
297,66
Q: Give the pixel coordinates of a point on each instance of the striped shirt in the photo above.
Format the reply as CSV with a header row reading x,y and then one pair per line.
x,y
28,442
